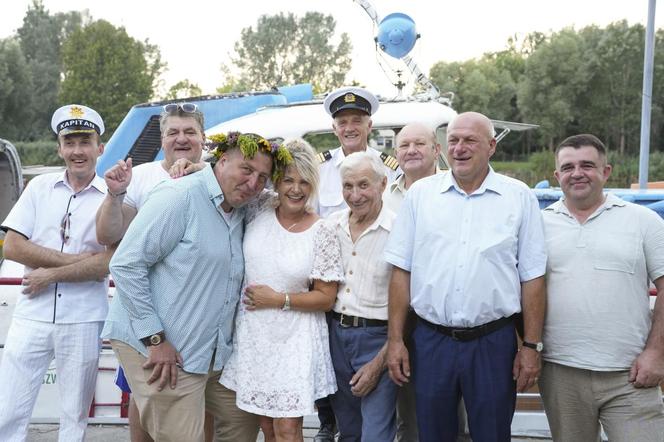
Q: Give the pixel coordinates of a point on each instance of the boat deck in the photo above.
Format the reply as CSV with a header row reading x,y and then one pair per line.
x,y
120,433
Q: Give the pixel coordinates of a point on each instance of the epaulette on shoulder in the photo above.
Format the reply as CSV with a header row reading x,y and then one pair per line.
x,y
389,161
324,156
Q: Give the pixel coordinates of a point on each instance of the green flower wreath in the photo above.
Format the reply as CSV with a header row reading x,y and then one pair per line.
x,y
249,144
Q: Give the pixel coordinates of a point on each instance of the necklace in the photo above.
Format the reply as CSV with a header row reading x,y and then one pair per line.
x,y
288,229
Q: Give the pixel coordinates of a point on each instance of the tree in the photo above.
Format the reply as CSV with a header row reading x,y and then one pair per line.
x,y
16,110
41,37
183,89
556,73
285,49
108,70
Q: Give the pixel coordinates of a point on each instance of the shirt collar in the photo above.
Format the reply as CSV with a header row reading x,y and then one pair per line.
x,y
610,201
97,183
491,183
398,185
212,185
382,220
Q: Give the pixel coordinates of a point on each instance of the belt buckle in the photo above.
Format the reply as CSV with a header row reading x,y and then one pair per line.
x,y
458,335
341,321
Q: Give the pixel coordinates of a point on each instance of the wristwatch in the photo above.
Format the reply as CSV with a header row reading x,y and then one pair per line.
x,y
155,339
538,346
286,305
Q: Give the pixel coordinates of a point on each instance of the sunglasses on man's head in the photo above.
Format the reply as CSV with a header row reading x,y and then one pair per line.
x,y
172,108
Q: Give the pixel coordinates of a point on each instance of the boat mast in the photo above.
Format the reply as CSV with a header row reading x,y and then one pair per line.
x,y
646,98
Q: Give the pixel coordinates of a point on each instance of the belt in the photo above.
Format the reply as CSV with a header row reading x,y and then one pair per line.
x,y
469,334
356,321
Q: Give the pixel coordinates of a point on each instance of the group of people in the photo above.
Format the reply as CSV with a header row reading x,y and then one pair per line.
x,y
378,291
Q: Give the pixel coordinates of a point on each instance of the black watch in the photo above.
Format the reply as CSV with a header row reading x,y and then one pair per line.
x,y
155,339
538,346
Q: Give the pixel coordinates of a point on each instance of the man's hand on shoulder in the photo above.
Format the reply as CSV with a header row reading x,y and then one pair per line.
x,y
647,369
183,166
36,281
118,177
164,360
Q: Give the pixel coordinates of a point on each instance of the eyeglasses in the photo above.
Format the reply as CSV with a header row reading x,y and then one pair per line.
x,y
172,108
65,227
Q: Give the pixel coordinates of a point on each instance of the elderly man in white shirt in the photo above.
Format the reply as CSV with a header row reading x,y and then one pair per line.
x,y
51,230
365,402
469,255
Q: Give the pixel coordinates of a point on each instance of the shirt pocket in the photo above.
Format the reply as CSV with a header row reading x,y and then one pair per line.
x,y
500,246
375,295
615,252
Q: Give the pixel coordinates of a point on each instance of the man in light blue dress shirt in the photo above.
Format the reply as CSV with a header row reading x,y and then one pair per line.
x,y
468,253
172,334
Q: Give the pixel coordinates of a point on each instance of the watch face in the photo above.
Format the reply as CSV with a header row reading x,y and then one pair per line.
x,y
539,347
155,339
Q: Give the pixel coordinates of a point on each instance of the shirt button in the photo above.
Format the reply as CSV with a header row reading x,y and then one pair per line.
x,y
350,272
59,295
354,253
347,290
343,308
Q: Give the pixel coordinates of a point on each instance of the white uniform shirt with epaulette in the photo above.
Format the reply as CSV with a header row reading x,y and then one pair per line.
x,y
330,195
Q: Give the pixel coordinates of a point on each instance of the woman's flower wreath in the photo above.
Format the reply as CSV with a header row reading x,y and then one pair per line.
x,y
249,144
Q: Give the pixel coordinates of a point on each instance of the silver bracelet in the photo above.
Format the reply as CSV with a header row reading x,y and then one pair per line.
x,y
286,305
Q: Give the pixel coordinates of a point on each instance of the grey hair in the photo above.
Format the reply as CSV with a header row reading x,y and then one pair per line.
x,y
306,164
359,159
197,116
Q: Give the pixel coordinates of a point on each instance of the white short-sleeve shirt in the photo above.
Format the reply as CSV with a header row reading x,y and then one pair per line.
x,y
364,291
468,254
330,195
598,310
144,178
38,215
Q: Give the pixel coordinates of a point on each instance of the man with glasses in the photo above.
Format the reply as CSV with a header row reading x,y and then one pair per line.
x,y
60,315
178,273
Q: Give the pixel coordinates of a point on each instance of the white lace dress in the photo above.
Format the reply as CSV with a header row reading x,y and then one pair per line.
x,y
281,359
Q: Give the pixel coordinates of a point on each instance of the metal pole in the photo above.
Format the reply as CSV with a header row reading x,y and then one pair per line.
x,y
648,61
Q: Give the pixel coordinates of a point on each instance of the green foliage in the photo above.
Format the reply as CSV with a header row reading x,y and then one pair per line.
x,y
41,37
285,49
183,89
41,152
16,110
108,70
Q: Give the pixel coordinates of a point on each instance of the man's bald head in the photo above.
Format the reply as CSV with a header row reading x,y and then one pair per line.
x,y
480,121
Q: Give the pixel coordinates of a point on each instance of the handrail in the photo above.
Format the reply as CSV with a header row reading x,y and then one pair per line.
x,y
19,281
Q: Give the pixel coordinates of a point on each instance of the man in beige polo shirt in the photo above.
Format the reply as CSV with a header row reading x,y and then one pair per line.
x,y
603,352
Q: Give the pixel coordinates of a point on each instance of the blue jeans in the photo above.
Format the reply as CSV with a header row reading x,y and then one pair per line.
x,y
372,417
480,371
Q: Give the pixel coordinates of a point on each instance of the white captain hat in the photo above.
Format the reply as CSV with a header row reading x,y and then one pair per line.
x,y
76,118
350,98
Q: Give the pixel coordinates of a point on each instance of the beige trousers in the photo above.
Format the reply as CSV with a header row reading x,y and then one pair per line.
x,y
178,414
577,401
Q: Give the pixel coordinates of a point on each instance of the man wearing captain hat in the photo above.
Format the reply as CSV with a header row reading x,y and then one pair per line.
x,y
351,109
51,230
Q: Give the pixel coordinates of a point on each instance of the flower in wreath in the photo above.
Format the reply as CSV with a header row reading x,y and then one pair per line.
x,y
249,145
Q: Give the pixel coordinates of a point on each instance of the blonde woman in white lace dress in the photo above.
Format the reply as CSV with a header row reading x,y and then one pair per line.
x,y
281,359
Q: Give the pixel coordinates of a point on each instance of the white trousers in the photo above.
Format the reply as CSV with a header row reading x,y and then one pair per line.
x,y
29,350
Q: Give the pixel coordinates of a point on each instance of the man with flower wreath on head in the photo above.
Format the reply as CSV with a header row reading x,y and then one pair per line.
x,y
171,334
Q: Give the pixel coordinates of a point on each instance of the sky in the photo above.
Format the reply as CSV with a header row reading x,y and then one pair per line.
x,y
196,36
